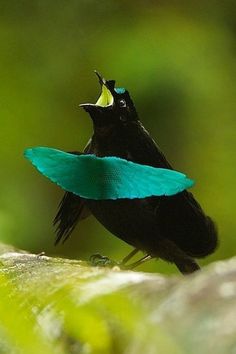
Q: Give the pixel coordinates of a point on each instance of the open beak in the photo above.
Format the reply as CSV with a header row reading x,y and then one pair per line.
x,y
105,99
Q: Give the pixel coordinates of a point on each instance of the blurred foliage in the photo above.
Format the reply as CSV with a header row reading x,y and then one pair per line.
x,y
178,61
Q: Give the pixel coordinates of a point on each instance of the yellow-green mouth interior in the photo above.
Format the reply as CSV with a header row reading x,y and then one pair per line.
x,y
106,98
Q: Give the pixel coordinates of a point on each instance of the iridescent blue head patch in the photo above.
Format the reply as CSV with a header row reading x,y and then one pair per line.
x,y
120,90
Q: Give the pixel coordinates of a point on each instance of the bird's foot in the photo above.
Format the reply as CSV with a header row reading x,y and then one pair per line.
x,y
41,254
102,261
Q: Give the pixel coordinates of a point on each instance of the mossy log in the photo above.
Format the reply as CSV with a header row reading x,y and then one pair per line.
x,y
55,305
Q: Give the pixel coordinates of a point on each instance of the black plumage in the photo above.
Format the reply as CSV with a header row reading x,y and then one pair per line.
x,y
173,228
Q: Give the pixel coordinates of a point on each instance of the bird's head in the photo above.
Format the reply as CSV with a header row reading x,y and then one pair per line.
x,y
114,105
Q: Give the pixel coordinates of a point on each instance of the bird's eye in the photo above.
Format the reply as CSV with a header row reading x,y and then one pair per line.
x,y
122,103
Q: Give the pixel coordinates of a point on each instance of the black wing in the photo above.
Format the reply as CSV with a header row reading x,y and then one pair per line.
x,y
180,216
72,209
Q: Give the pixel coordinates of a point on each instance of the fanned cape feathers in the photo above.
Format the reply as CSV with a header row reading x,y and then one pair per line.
x,y
100,178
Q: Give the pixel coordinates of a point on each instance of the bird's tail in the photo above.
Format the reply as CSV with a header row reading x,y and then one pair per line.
x,y
206,242
187,266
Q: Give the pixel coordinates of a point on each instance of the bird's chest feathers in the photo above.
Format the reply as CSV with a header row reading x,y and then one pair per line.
x,y
110,141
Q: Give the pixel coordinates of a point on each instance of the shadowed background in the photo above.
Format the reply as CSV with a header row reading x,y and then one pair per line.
x,y
177,61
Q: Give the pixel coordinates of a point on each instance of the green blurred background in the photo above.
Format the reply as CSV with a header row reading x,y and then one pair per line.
x,y
178,60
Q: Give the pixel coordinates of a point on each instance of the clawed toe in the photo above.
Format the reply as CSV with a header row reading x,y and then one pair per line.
x,y
101,261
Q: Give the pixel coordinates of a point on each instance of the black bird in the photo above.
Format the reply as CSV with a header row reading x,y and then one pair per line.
x,y
174,228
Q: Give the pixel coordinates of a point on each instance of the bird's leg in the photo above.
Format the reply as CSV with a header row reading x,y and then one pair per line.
x,y
129,256
139,262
